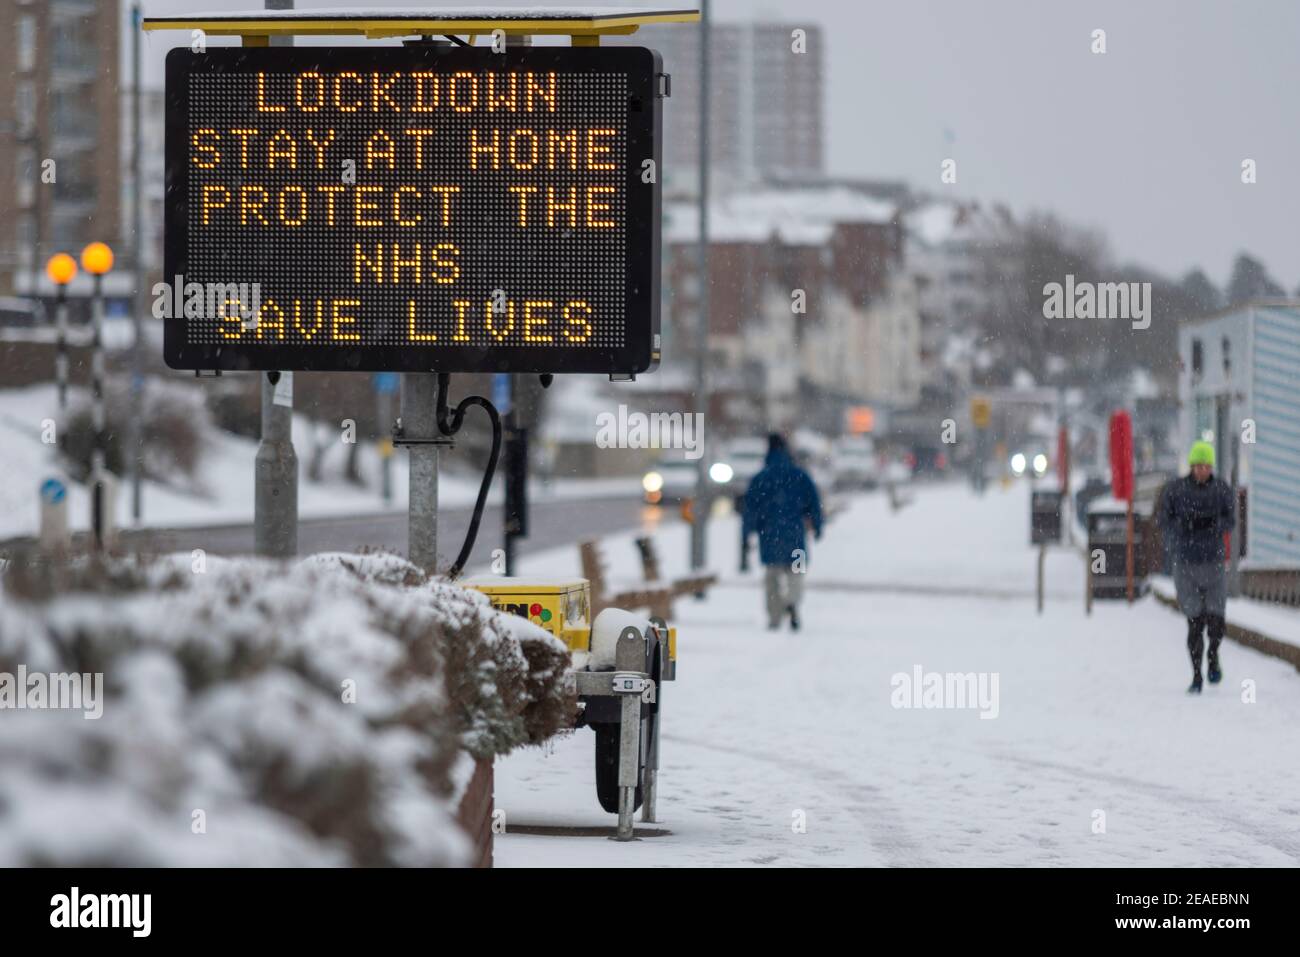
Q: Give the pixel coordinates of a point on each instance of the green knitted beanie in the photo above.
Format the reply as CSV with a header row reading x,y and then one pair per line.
x,y
1202,453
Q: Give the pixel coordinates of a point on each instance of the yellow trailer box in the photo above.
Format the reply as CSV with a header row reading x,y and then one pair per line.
x,y
562,606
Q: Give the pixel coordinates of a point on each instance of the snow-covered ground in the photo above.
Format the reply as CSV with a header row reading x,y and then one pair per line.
x,y
1096,756
225,477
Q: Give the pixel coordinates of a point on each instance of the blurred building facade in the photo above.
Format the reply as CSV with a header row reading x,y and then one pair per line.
x,y
58,102
951,247
1236,388
153,174
811,307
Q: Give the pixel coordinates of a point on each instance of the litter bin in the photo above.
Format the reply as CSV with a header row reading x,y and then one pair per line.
x,y
1045,517
1107,551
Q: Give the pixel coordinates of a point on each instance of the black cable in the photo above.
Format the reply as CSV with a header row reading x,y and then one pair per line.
x,y
450,427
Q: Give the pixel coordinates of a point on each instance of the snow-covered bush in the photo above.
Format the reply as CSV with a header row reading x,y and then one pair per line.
x,y
174,420
258,713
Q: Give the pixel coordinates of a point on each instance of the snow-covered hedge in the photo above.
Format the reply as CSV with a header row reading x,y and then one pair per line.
x,y
257,713
175,423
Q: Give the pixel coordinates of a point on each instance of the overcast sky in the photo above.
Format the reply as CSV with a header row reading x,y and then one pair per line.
x,y
1144,142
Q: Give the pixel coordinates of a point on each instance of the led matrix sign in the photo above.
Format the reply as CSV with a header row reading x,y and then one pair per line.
x,y
413,208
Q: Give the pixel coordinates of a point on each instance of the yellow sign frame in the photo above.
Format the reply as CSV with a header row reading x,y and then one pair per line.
x,y
257,30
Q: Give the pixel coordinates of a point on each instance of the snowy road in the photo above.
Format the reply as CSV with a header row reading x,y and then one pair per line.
x,y
789,750
559,520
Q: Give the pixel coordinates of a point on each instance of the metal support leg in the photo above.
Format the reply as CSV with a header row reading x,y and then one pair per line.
x,y
629,656
648,815
651,780
629,754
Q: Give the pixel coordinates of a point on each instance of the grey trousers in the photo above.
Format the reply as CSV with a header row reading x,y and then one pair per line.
x,y
1202,588
783,587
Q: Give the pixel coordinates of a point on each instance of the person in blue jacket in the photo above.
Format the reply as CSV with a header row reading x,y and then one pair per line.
x,y
780,501
1195,513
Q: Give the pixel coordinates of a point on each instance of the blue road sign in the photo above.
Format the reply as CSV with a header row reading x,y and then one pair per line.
x,y
501,391
53,491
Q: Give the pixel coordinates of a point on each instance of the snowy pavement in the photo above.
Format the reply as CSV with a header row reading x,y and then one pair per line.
x,y
788,749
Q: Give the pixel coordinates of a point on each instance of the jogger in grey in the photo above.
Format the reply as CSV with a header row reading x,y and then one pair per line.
x,y
1197,511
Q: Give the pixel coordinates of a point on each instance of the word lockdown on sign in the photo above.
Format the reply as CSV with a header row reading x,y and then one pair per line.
x,y
414,91
416,208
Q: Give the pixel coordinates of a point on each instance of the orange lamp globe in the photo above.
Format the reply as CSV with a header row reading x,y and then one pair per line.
x,y
61,268
97,259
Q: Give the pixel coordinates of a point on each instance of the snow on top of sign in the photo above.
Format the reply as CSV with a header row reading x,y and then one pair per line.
x,y
576,12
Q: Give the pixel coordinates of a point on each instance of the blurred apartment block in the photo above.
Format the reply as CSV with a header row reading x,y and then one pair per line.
x,y
811,307
58,101
766,106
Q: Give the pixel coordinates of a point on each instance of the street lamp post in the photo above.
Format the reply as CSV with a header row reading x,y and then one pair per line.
x,y
97,259
61,269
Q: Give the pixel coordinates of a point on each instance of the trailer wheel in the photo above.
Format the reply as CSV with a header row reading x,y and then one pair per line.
x,y
607,739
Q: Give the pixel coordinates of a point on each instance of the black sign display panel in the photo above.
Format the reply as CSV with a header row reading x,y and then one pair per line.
x,y
416,208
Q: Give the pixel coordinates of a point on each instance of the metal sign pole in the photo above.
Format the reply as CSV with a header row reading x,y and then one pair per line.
x,y
384,399
515,474
135,457
275,497
700,509
275,470
419,433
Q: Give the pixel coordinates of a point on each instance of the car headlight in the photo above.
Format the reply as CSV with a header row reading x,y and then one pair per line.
x,y
652,482
1018,464
721,472
1040,463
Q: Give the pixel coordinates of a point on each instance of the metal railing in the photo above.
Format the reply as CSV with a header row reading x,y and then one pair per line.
x,y
1279,585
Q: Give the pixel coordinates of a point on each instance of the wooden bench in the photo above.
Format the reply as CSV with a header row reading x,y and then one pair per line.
x,y
652,593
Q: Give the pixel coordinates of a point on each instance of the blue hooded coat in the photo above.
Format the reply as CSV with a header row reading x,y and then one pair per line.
x,y
780,497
